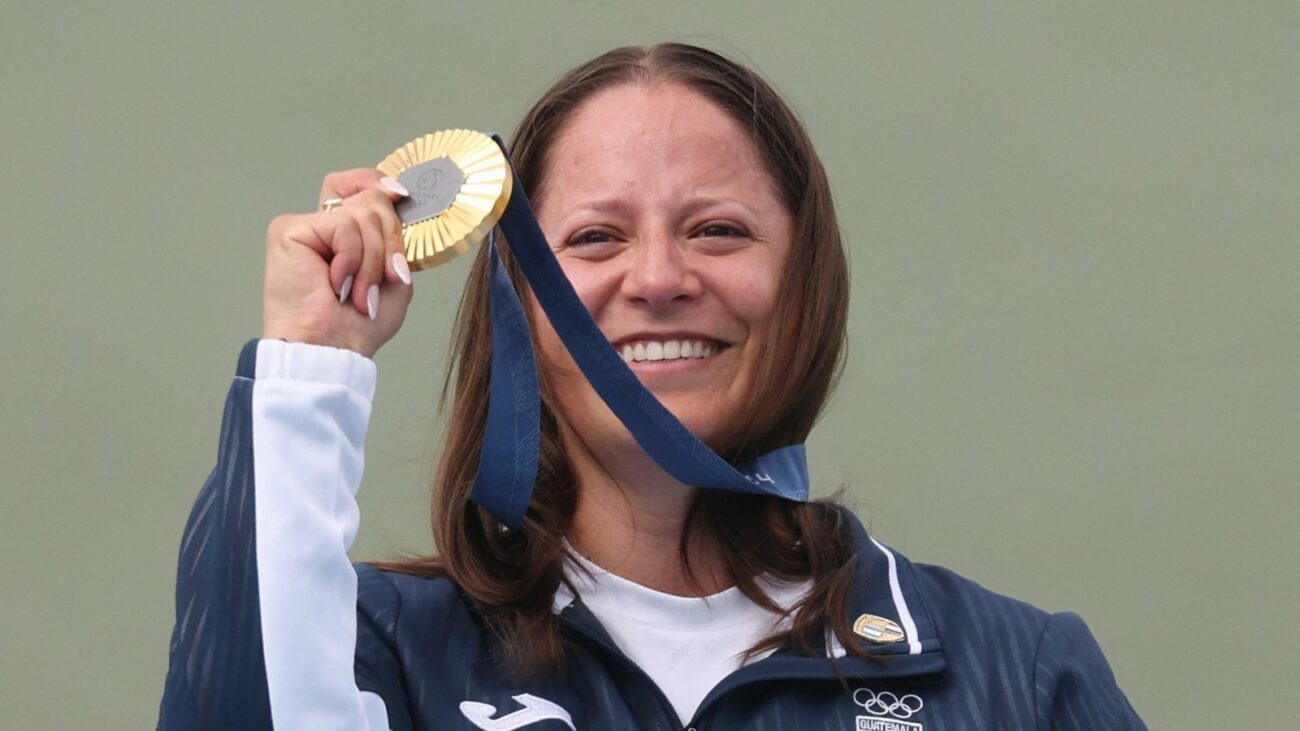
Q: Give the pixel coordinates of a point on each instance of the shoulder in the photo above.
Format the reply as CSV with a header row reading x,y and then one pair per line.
x,y
999,654
960,605
394,603
1047,661
382,586
935,605
970,616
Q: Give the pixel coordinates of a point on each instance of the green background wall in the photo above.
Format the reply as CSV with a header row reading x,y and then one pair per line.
x,y
1075,338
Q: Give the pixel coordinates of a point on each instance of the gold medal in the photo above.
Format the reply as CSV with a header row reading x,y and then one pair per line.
x,y
460,183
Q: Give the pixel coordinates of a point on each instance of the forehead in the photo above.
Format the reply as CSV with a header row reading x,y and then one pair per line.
x,y
650,138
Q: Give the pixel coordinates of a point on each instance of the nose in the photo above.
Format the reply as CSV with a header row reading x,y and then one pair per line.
x,y
661,274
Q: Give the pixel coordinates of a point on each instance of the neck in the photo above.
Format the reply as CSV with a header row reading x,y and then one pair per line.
x,y
630,518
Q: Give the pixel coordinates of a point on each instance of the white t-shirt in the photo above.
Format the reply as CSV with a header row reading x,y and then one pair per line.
x,y
685,644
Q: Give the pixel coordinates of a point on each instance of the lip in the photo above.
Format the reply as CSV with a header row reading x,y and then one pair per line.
x,y
662,336
658,351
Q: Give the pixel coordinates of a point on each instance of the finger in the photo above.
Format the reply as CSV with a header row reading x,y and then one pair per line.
x,y
314,231
370,274
396,269
335,237
347,252
355,239
347,183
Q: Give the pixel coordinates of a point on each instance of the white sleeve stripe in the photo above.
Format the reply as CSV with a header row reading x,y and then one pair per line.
x,y
900,603
311,409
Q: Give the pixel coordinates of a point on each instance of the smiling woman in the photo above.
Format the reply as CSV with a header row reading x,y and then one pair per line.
x,y
686,206
670,229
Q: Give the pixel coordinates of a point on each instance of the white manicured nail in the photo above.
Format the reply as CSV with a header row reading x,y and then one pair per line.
x,y
392,186
346,289
372,301
401,267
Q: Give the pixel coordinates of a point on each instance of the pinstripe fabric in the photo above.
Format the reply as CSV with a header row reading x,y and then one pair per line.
x,y
1012,666
216,678
1070,699
976,660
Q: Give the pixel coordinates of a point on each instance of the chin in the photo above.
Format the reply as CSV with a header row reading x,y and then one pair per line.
x,y
709,418
710,423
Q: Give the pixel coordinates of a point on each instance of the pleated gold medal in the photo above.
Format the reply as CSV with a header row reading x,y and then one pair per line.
x,y
459,182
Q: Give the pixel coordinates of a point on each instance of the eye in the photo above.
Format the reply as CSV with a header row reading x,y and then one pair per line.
x,y
594,243
590,236
719,229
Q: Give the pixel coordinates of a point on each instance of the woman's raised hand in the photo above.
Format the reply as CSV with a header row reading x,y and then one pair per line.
x,y
339,277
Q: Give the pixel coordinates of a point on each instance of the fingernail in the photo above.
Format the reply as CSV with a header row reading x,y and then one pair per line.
x,y
400,266
346,289
392,186
372,301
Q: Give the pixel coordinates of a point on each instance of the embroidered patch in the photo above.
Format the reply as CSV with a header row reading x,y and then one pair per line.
x,y
888,711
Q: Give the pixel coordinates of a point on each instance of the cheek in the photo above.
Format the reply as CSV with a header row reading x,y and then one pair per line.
x,y
761,302
596,284
552,357
591,280
750,293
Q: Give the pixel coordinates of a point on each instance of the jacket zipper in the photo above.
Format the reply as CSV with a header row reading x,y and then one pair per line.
x,y
664,704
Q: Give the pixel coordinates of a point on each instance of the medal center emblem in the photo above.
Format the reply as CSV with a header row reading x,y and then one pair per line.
x,y
433,185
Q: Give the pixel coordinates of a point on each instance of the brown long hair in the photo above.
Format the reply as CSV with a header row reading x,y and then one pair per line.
x,y
512,576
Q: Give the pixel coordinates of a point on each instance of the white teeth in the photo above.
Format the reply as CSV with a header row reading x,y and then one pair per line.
x,y
653,350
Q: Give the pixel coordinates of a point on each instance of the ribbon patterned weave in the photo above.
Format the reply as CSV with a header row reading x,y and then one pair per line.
x,y
508,462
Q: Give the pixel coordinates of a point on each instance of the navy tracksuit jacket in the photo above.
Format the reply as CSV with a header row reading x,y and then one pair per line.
x,y
971,659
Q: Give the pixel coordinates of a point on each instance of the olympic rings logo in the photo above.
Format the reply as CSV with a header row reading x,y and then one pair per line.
x,y
886,702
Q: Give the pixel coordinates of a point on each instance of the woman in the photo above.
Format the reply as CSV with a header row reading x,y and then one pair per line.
x,y
688,209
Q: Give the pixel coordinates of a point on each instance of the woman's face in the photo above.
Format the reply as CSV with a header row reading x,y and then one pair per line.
x,y
667,223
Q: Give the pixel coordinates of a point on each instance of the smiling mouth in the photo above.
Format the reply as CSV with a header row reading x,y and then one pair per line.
x,y
641,351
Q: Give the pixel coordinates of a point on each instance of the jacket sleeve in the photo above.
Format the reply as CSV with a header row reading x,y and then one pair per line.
x,y
1075,688
266,598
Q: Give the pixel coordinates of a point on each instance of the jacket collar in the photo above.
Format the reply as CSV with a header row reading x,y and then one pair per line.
x,y
885,587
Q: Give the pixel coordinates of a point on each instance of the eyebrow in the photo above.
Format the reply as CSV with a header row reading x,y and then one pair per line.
x,y
618,207
609,205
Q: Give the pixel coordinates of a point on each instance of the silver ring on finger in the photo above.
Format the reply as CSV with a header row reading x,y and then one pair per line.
x,y
330,204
